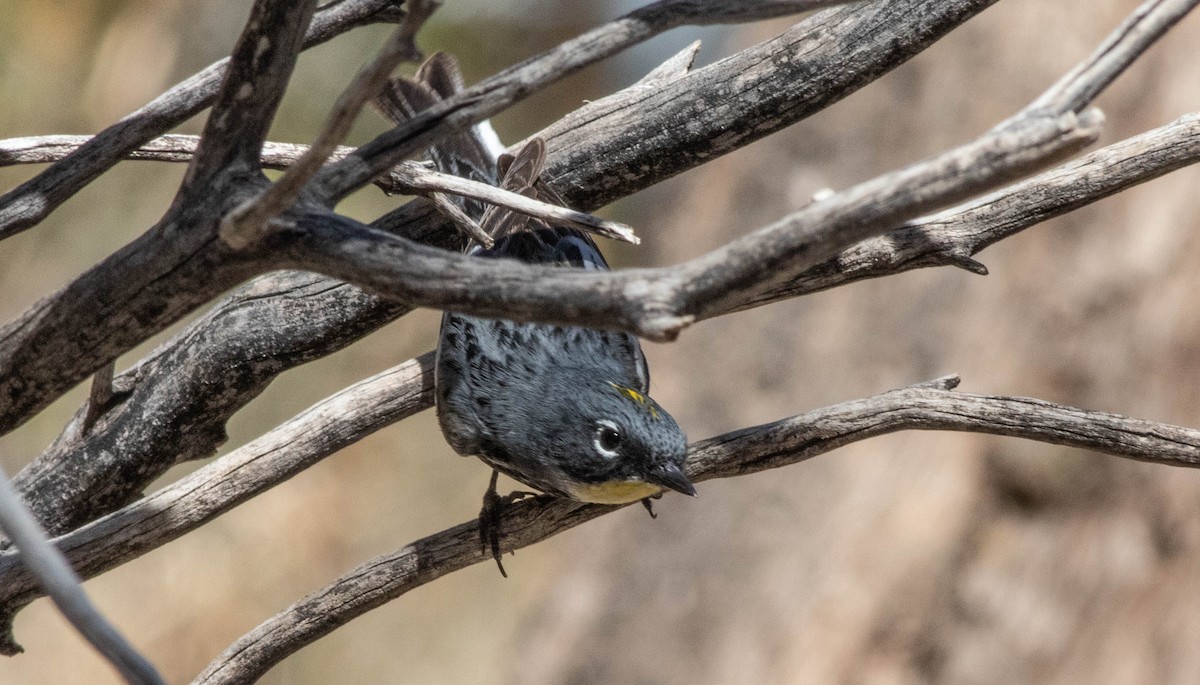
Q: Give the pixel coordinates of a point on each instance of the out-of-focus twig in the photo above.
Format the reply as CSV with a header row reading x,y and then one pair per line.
x,y
52,572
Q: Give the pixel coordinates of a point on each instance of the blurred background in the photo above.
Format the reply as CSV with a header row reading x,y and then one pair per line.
x,y
915,558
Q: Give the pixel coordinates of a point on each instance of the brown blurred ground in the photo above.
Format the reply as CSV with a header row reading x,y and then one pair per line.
x,y
917,558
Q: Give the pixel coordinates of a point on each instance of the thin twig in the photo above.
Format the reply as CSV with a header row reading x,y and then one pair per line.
x,y
459,218
55,577
99,397
251,222
926,406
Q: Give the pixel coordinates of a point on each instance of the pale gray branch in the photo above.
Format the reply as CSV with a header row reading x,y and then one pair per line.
x,y
408,177
952,237
927,406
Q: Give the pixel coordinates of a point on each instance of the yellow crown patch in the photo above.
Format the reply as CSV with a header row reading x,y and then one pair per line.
x,y
638,399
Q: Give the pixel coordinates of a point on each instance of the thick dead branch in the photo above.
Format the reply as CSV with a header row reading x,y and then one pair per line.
x,y
145,286
32,201
514,84
191,386
928,406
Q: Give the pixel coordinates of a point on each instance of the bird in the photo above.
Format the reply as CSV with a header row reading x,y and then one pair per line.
x,y
565,410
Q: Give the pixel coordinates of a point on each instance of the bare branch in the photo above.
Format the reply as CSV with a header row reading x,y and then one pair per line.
x,y
56,579
659,303
173,147
927,406
250,222
737,100
676,13
26,205
258,73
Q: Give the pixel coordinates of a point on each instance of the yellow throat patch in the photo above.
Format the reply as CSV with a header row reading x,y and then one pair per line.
x,y
613,492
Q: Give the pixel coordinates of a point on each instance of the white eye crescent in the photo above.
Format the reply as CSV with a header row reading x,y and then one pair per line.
x,y
607,438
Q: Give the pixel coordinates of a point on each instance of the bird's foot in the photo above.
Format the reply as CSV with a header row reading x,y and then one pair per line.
x,y
490,516
649,504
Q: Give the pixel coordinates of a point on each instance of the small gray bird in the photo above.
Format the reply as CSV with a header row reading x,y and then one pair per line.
x,y
562,409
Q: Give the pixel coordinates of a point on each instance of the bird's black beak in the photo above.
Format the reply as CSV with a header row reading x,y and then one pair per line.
x,y
672,477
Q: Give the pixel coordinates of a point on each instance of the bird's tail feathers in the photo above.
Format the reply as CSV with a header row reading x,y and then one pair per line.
x,y
466,154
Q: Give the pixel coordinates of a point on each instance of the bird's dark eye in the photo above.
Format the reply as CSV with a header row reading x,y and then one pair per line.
x,y
607,438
